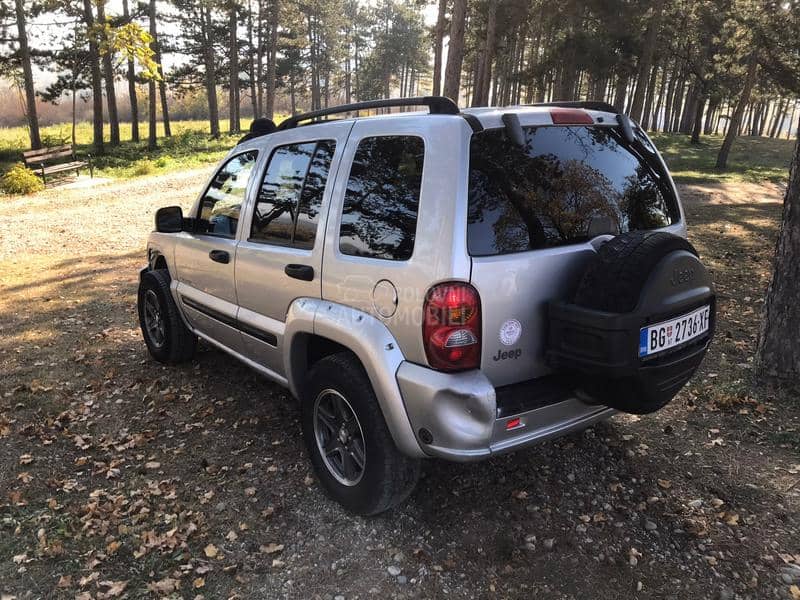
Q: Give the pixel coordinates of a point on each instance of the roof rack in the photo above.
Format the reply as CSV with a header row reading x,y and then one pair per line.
x,y
438,105
589,105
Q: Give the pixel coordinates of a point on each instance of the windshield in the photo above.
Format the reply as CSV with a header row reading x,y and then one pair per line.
x,y
565,186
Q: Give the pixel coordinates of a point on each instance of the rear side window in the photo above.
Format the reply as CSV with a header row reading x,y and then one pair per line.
x,y
379,214
289,199
567,185
222,202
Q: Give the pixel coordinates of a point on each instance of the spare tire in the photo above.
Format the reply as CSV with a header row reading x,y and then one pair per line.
x,y
640,322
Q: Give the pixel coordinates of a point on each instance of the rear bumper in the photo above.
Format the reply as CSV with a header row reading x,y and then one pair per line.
x,y
462,417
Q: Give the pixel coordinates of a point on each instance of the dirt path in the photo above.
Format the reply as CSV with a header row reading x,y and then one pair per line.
x,y
119,476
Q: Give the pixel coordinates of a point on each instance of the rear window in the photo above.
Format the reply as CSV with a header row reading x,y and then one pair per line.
x,y
566,186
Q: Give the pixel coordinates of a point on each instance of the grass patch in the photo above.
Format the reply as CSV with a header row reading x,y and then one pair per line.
x,y
190,146
753,159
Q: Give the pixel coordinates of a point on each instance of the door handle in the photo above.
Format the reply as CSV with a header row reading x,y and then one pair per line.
x,y
303,272
220,256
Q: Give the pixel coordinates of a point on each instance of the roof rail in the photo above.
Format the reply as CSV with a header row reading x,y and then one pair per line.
x,y
589,105
438,105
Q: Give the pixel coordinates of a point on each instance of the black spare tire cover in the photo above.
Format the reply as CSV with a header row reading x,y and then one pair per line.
x,y
636,279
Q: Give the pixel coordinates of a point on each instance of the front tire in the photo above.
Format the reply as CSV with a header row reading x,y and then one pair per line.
x,y
351,449
167,338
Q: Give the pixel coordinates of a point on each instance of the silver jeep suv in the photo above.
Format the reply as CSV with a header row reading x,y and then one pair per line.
x,y
443,283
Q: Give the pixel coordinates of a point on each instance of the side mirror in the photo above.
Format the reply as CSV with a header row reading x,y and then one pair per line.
x,y
169,219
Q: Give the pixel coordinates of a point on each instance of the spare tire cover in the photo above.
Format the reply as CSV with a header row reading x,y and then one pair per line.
x,y
658,276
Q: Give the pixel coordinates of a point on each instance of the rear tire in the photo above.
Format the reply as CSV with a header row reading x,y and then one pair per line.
x,y
355,459
167,338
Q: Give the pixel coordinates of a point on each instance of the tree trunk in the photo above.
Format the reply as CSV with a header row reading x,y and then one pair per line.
x,y
744,98
131,76
234,125
251,66
27,75
152,132
778,353
455,51
211,71
488,57
697,121
97,79
162,83
651,92
620,91
269,111
108,76
260,60
438,41
646,61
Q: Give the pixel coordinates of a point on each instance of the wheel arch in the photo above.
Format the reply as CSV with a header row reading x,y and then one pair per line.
x,y
317,328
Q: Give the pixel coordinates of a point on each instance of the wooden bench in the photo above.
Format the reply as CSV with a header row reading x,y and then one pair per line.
x,y
42,161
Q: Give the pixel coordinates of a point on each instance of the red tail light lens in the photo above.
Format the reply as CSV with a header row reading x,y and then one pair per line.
x,y
451,327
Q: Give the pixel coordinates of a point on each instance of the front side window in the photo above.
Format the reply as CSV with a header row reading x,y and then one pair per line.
x,y
565,186
379,214
222,203
289,199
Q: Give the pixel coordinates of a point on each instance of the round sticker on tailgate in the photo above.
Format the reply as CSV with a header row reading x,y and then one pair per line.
x,y
510,332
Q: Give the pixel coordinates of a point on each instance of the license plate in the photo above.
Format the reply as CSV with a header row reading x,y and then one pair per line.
x,y
668,334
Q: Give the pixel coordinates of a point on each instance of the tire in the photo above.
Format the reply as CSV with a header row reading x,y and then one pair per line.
x,y
615,278
387,477
173,342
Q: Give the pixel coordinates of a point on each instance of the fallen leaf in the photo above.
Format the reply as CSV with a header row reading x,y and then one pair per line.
x,y
520,494
152,465
732,519
211,551
664,484
795,592
25,459
199,582
251,491
271,548
64,581
165,586
115,588
231,537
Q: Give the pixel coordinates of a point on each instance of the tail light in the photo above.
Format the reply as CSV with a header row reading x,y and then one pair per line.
x,y
451,327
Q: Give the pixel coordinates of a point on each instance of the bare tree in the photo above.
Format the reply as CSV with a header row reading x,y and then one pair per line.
x,y
108,75
97,78
131,76
27,75
151,85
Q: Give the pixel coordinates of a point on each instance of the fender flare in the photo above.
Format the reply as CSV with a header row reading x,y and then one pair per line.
x,y
372,343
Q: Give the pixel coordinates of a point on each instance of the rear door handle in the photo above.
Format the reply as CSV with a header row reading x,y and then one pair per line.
x,y
303,272
220,256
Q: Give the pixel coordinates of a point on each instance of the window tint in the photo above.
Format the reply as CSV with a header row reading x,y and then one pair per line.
x,y
289,200
567,185
222,202
379,216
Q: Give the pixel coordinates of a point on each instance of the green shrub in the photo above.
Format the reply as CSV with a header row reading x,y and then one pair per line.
x,y
143,167
20,180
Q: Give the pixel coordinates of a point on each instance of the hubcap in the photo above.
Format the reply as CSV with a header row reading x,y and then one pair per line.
x,y
153,320
339,437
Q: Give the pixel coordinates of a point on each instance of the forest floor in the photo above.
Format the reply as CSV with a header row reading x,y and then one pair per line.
x,y
120,477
